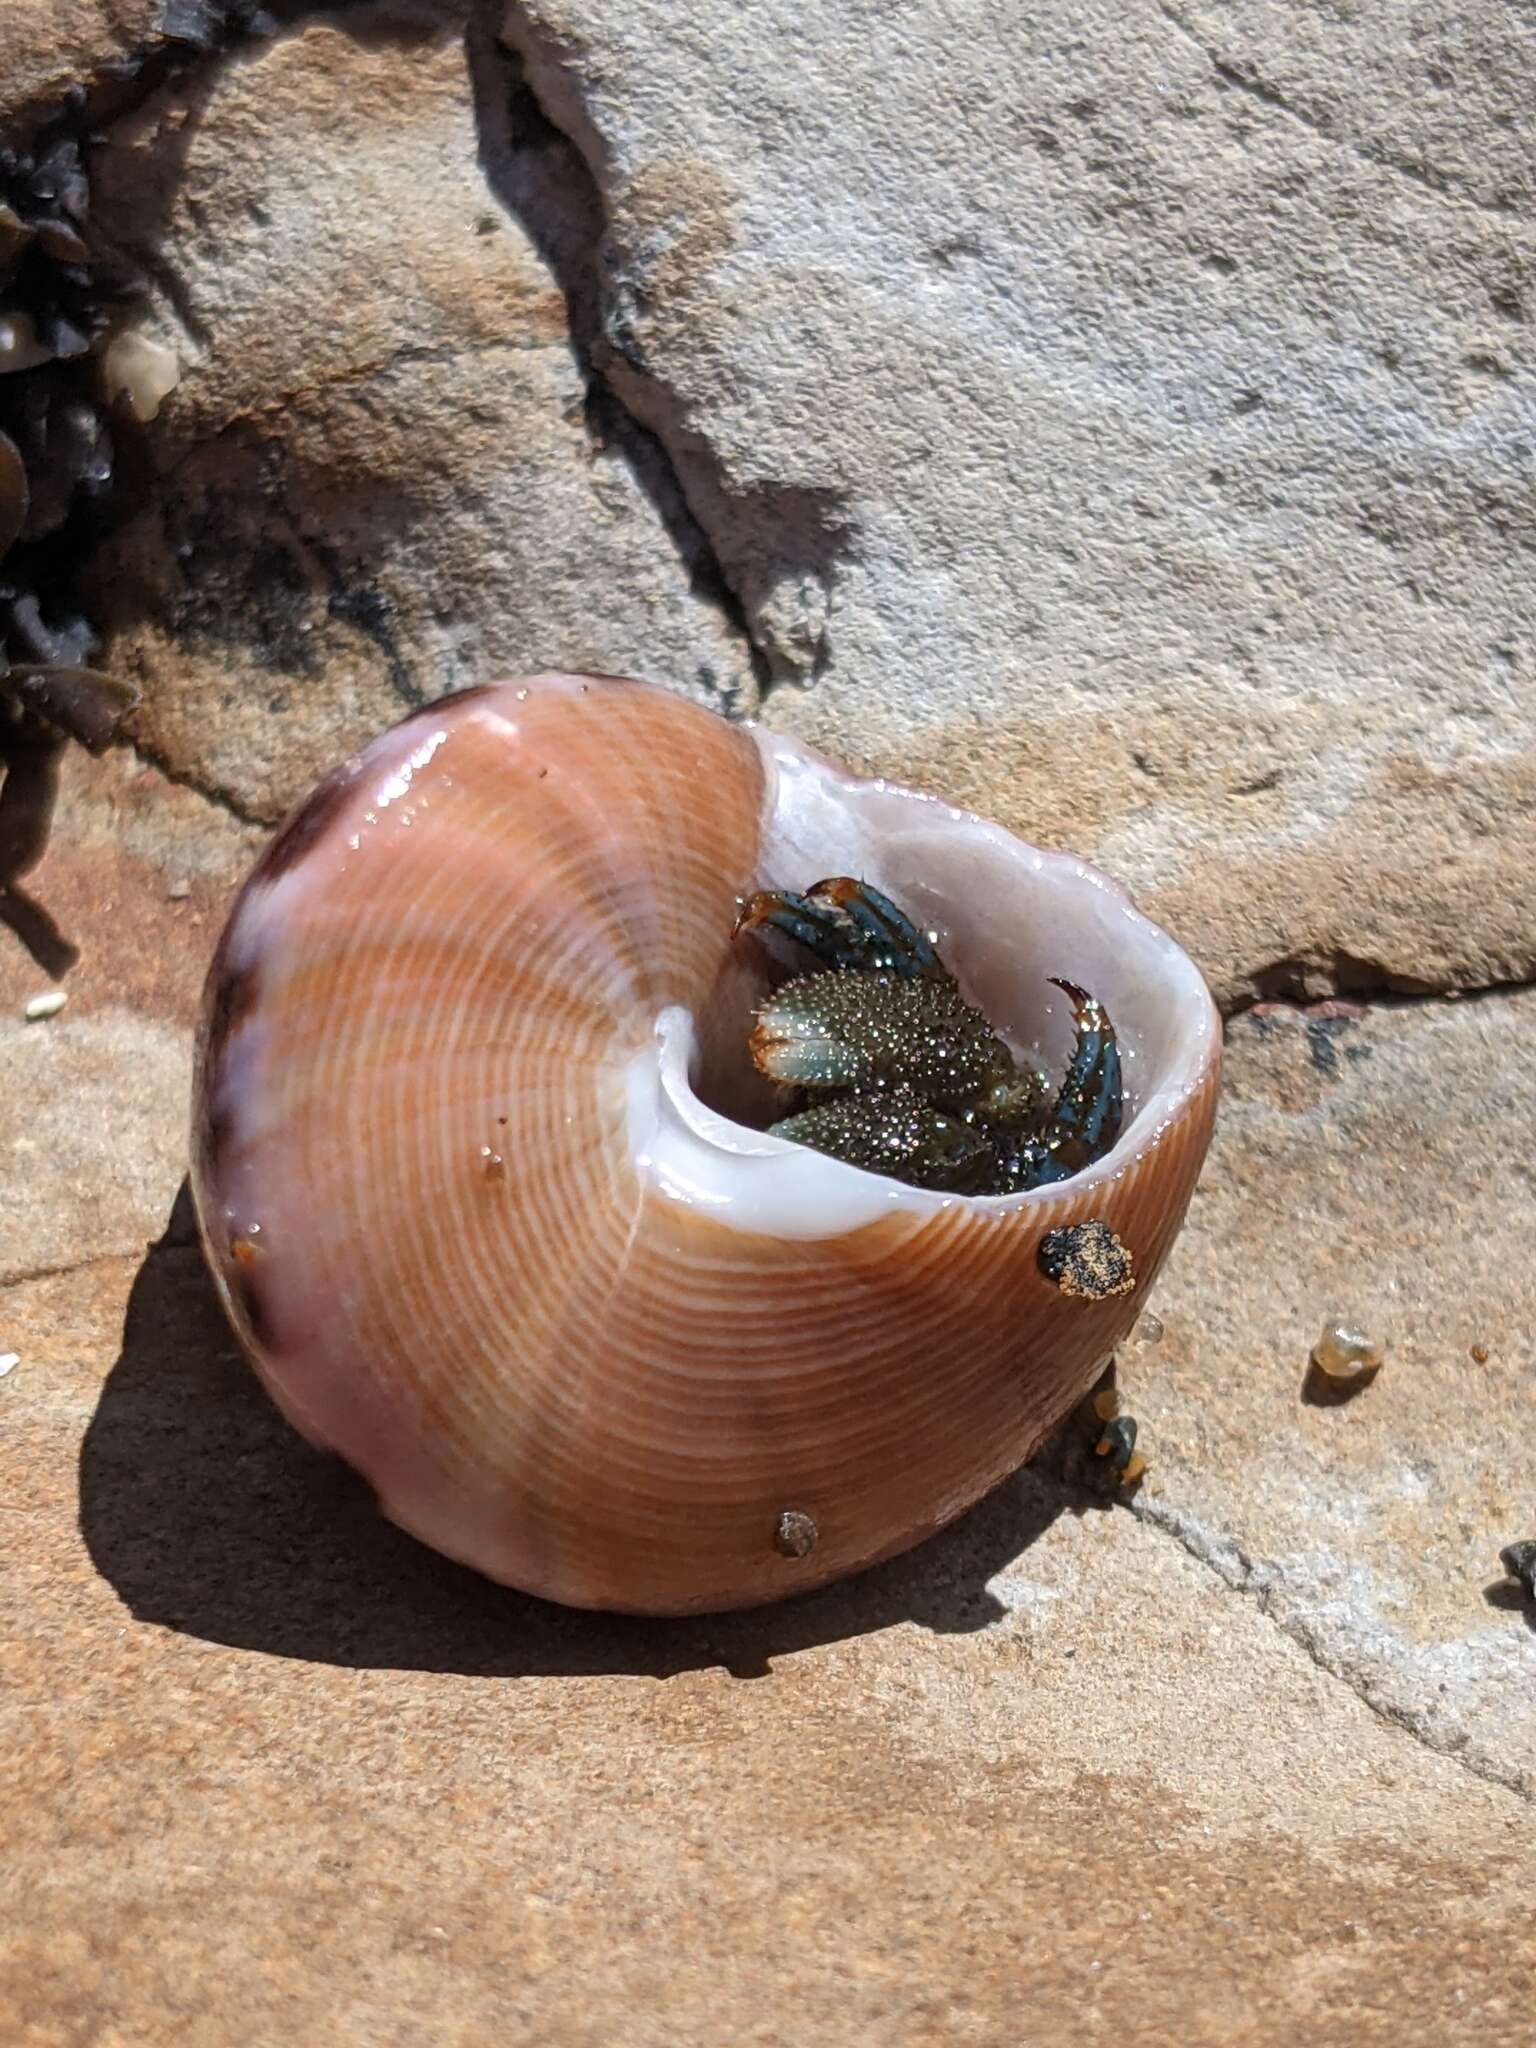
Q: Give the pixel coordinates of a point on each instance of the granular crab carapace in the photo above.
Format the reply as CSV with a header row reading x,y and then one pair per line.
x,y
907,1078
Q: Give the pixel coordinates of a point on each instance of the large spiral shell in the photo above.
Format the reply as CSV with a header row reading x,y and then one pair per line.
x,y
471,1178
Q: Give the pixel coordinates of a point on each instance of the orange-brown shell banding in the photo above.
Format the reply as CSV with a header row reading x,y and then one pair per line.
x,y
473,1078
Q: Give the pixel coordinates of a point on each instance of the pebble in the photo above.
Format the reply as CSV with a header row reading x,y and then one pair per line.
x,y
49,1005
1345,1353
9,1360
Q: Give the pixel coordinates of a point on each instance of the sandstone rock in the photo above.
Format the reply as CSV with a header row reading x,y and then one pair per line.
x,y
253,1739
1244,1768
93,1115
1122,424
1374,1164
1106,437
49,47
378,476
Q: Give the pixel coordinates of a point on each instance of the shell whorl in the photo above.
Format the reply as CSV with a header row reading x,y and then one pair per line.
x,y
435,1183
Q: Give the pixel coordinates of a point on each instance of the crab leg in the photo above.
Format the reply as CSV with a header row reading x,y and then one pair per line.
x,y
817,927
846,924
1084,1120
895,941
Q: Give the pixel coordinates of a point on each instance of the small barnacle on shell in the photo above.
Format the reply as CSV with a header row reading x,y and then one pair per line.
x,y
1117,1446
1087,1261
794,1534
618,1383
1116,1441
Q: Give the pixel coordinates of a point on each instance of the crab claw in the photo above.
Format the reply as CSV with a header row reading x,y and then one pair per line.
x,y
892,939
816,926
876,1031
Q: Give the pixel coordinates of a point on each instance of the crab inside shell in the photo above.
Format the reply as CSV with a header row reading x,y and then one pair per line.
x,y
482,1172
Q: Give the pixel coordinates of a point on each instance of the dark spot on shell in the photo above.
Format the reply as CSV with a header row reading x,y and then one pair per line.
x,y
438,704
245,1287
794,1534
308,824
215,1129
1086,1261
234,997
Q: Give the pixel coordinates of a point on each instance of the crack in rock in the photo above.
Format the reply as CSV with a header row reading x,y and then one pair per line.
x,y
1264,1582
65,1267
565,222
1288,984
213,794
777,547
197,39
1244,78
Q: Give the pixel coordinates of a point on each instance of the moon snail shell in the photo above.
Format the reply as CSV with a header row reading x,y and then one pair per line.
x,y
484,1186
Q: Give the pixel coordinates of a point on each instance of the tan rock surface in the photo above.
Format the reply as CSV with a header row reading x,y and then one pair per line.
x,y
275,1774
48,46
271,1772
1121,424
1121,421
94,1103
1376,1166
376,478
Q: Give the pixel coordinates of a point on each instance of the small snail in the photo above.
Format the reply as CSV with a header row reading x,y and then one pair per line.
x,y
484,1173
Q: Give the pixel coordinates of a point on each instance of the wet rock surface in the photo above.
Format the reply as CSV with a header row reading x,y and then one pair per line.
x,y
1120,425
